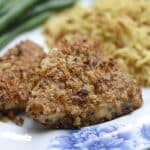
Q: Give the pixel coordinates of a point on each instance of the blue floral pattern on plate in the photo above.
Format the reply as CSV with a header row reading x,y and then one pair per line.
x,y
146,132
104,137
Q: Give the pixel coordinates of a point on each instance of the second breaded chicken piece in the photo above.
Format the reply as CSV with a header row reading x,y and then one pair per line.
x,y
18,74
79,86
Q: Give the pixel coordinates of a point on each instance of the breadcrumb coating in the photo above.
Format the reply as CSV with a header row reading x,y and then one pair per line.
x,y
79,86
18,75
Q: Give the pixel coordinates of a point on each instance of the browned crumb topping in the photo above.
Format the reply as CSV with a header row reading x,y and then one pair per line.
x,y
17,120
3,118
18,69
11,115
77,82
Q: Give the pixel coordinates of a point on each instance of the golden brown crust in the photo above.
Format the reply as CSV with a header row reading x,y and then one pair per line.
x,y
80,87
18,69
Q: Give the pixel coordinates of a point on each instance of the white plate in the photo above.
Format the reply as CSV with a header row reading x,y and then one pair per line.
x,y
131,132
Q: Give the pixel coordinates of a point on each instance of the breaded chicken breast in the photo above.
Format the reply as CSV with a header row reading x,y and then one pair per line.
x,y
79,86
18,68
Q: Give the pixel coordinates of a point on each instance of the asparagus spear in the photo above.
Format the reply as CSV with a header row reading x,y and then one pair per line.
x,y
51,5
2,12
30,24
2,3
8,5
34,18
16,12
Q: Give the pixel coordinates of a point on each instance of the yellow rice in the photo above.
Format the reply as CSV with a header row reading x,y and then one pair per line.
x,y
122,27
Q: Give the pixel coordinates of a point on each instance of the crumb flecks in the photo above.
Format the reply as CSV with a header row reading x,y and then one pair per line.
x,y
80,87
18,75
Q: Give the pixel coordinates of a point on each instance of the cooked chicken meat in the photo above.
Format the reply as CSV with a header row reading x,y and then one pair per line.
x,y
79,86
18,75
